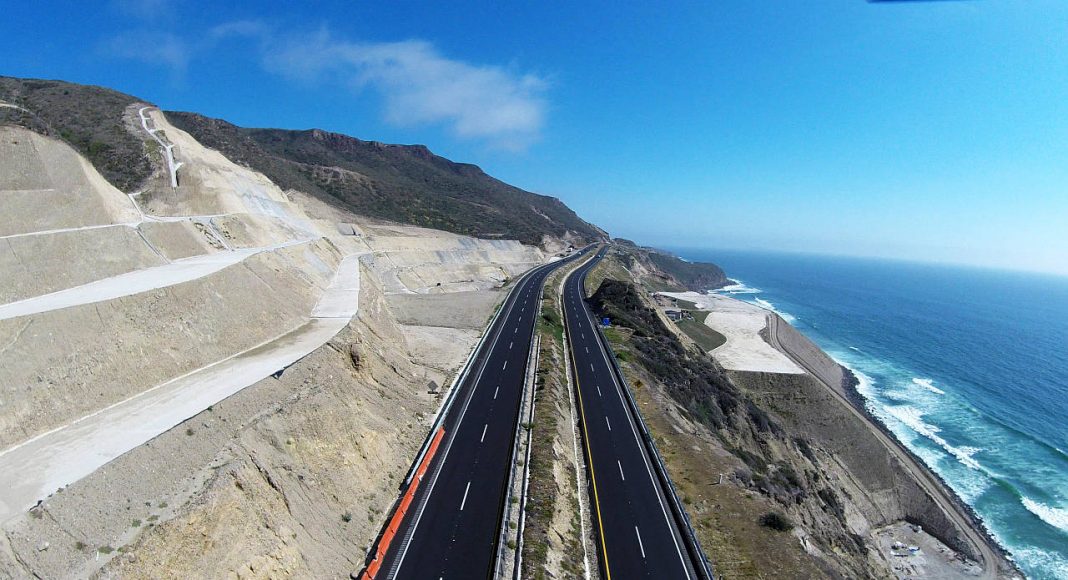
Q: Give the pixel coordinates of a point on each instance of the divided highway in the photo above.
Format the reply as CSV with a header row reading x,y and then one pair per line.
x,y
451,527
638,534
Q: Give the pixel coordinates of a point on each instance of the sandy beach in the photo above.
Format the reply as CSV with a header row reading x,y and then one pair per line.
x,y
741,324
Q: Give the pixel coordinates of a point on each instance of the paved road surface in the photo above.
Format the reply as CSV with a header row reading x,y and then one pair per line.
x,y
638,535
452,529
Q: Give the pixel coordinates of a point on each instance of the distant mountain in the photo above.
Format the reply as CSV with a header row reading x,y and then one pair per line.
x,y
404,183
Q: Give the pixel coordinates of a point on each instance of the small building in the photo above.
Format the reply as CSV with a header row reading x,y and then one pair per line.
x,y
675,315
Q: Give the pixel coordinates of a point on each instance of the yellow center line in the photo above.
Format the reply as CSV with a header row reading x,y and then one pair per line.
x,y
589,456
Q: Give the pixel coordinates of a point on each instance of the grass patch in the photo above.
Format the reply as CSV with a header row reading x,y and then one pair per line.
x,y
704,336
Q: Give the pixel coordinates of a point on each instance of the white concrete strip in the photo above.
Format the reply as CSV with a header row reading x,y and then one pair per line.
x,y
126,284
599,390
607,422
77,229
177,272
510,343
495,392
167,147
621,476
640,545
341,298
464,502
32,470
505,365
483,437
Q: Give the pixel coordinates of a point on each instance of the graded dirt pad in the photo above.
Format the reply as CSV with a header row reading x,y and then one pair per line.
x,y
255,231
440,348
62,364
289,477
39,264
453,310
411,259
180,239
45,185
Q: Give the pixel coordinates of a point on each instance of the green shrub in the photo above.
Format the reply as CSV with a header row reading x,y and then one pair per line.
x,y
776,521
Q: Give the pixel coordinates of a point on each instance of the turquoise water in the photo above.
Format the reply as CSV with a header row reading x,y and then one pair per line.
x,y
968,367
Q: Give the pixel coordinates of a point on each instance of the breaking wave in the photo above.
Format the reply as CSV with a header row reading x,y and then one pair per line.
x,y
768,305
912,418
929,385
1056,517
737,287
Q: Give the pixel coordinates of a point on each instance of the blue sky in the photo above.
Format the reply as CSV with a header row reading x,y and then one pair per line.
x,y
934,131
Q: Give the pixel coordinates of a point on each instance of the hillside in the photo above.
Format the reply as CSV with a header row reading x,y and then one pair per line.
x,y
403,183
400,183
89,118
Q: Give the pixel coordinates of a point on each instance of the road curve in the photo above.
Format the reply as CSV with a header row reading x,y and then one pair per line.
x,y
638,536
451,530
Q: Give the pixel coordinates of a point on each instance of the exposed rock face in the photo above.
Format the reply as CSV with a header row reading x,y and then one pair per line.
x,y
666,271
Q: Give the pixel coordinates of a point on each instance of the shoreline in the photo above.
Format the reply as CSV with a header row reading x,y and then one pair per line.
x,y
850,382
996,557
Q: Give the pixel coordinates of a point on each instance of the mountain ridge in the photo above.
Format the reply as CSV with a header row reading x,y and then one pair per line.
x,y
405,183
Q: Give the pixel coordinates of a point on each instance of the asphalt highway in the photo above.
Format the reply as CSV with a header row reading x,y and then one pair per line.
x,y
637,534
453,530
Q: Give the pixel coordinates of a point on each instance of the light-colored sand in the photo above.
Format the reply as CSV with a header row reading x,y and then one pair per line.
x,y
741,323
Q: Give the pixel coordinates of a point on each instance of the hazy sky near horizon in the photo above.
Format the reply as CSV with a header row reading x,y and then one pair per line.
x,y
932,131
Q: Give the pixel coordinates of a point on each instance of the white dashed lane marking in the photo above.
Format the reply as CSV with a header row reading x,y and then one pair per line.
x,y
464,502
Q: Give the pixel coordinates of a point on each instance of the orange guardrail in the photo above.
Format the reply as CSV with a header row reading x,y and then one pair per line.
x,y
402,509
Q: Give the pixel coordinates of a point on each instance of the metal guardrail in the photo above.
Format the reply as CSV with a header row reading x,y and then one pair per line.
x,y
702,566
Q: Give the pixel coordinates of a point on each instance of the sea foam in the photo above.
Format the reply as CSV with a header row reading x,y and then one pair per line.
x,y
912,418
737,287
769,306
928,384
1056,517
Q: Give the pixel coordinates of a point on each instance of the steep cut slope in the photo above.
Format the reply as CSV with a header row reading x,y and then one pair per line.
x,y
89,118
403,183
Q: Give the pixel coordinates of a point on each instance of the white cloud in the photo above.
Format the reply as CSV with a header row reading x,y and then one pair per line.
x,y
420,86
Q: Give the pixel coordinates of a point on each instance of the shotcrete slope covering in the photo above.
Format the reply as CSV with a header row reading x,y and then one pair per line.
x,y
265,474
129,316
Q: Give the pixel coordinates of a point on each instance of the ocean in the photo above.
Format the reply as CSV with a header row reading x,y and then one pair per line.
x,y
968,367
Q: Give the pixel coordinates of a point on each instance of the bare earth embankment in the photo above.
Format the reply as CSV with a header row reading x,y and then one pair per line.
x,y
241,372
